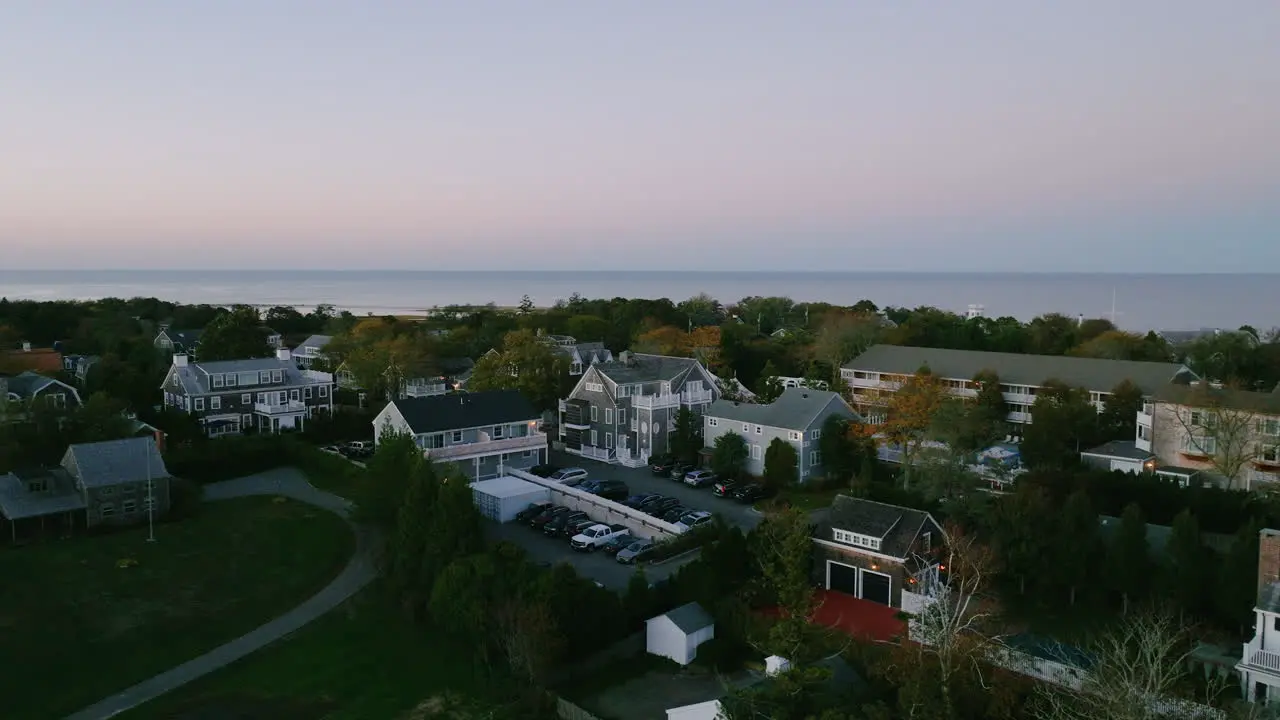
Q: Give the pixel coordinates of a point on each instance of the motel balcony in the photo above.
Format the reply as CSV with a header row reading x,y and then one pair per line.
x,y
289,407
655,402
486,447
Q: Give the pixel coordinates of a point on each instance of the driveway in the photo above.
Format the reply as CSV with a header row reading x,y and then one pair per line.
x,y
593,566
640,480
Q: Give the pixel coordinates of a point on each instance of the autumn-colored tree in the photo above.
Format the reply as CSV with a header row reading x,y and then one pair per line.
x,y
846,335
663,340
909,416
527,364
704,344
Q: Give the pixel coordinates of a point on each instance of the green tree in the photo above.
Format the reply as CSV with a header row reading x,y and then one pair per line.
x,y
768,387
987,414
526,305
527,364
391,470
1129,563
638,602
407,546
100,418
1064,423
686,435
235,335
783,547
1077,560
781,464
838,450
729,456
587,328
1236,590
1189,563
462,601
1025,533
1118,420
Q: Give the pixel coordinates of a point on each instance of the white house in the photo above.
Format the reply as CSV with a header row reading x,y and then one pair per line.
x,y
1259,665
677,634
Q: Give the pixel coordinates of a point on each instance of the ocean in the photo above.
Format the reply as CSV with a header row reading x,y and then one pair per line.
x,y
1142,302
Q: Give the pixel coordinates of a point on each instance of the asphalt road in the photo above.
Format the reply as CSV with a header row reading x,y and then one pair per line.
x,y
640,480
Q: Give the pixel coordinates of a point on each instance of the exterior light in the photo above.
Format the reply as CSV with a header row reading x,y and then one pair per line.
x,y
875,566
942,567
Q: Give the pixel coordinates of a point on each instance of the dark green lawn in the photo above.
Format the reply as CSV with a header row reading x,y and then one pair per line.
x,y
363,660
79,621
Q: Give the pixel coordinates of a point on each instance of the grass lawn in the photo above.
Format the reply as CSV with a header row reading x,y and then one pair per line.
x,y
76,625
810,499
363,660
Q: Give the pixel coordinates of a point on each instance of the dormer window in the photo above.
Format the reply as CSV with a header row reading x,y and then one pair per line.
x,y
217,381
231,380
264,377
277,376
856,539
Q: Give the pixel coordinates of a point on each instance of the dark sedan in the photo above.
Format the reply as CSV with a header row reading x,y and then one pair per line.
x,y
679,470
558,525
660,508
726,488
613,546
636,501
532,512
748,494
539,521
661,464
615,490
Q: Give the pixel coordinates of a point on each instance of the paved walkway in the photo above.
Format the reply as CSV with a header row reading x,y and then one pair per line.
x,y
359,572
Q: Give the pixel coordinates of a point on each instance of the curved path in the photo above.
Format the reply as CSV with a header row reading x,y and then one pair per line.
x,y
359,572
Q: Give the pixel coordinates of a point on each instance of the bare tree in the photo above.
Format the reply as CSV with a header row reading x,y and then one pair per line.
x,y
528,637
953,629
1221,430
1136,672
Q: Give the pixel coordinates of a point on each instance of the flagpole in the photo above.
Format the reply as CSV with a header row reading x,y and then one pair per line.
x,y
151,501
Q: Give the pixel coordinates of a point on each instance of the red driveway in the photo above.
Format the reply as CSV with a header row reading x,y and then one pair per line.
x,y
859,618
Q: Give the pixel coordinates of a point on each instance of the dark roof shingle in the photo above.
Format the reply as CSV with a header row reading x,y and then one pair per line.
x,y
690,617
896,526
1019,369
465,410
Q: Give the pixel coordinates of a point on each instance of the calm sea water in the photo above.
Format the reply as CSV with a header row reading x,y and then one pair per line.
x,y
1142,301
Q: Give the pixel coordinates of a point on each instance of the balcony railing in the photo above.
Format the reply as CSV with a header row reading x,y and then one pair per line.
x,y
1259,658
319,376
289,407
1020,417
655,402
418,390
694,397
1262,477
536,441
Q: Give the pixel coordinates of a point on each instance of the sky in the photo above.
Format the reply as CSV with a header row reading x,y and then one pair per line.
x,y
1141,136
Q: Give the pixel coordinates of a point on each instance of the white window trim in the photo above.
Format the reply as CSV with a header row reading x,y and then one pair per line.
x,y
593,439
608,439
106,509
622,416
215,403
217,381
759,430
324,391
755,452
277,376
815,434
746,428
855,539
815,457
456,437
246,399
199,403
713,422
306,392
499,432
595,414
797,435
608,416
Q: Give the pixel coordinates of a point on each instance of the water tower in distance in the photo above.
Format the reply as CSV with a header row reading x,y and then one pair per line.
x,y
975,311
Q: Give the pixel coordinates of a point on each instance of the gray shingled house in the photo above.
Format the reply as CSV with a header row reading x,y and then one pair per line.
x,y
114,482
796,417
875,551
483,433
623,411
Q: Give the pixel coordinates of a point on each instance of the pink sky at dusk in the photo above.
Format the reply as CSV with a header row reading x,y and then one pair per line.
x,y
908,136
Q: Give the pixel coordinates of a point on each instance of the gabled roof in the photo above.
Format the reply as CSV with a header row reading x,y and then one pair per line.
x,y
194,377
439,413
1017,369
642,367
1227,398
1122,449
113,462
690,618
316,341
16,502
896,526
26,385
188,338
795,409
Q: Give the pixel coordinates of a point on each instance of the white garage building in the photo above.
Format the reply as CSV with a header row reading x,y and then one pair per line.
x,y
501,498
676,635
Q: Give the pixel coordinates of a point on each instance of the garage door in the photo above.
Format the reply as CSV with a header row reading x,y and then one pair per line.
x,y
842,578
875,587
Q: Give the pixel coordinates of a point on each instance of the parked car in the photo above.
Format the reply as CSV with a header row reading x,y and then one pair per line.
x,y
588,485
675,513
726,488
572,529
752,492
331,449
660,508
567,475
700,478
635,552
532,511
360,448
635,501
661,465
615,490
543,470
559,524
617,543
679,470
539,521
693,520
596,536
651,501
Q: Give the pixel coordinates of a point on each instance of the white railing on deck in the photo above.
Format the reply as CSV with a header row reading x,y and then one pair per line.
x,y
655,402
694,397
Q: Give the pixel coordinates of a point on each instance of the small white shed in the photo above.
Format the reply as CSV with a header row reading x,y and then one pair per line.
x,y
676,635
501,498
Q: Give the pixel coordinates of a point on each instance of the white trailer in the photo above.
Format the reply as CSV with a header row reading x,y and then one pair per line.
x,y
501,498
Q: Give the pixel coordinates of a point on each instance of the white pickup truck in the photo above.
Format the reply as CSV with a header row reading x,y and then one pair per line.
x,y
594,537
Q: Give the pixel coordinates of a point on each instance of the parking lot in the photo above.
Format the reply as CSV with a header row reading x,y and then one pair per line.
x,y
641,480
591,565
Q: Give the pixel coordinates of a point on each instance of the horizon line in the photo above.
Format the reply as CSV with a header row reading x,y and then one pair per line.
x,y
487,271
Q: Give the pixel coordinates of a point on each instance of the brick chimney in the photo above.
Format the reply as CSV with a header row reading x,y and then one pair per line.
x,y
1268,557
